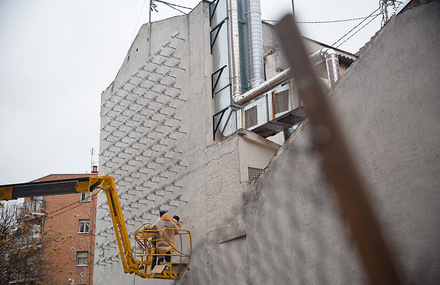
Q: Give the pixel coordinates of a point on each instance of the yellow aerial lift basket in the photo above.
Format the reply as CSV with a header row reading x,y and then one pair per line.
x,y
171,265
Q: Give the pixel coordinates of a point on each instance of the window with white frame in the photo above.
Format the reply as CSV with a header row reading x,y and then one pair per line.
x,y
81,258
84,226
84,197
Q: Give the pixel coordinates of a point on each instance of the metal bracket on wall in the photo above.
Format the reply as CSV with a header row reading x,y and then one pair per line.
x,y
212,10
217,30
215,127
214,84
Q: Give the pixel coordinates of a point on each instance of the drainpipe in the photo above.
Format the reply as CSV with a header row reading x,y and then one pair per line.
x,y
235,48
331,62
255,36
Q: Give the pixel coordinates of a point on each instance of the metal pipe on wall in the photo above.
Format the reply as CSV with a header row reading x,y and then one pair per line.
x,y
332,64
255,36
328,55
263,87
235,48
256,55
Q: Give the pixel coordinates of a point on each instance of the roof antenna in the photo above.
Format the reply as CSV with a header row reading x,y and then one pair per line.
x,y
92,162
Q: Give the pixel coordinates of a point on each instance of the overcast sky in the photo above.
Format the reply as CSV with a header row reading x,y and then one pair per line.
x,y
56,57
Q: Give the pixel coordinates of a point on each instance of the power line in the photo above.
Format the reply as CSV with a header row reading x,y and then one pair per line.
x,y
339,21
63,207
356,27
79,204
64,211
153,7
357,31
173,6
372,16
132,38
331,21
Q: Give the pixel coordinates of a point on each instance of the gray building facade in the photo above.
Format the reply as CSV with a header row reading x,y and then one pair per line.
x,y
158,119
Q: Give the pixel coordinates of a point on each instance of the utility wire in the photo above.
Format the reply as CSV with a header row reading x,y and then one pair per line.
x,y
79,204
64,211
137,23
330,21
173,6
153,7
356,27
372,16
357,31
339,21
64,207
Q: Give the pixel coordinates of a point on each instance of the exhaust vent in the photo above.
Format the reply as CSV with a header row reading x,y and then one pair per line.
x,y
254,172
255,34
251,117
281,101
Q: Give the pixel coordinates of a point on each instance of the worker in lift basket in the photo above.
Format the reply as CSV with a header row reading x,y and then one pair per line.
x,y
162,246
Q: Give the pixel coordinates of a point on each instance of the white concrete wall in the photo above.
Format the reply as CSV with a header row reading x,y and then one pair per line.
x,y
153,140
156,140
286,229
388,103
255,152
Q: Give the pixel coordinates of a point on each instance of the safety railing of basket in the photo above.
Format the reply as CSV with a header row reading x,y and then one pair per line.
x,y
144,237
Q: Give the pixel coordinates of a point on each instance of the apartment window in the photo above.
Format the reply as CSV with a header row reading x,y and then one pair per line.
x,y
84,197
81,258
84,226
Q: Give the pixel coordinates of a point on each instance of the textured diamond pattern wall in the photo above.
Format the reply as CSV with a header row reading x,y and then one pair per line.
x,y
141,131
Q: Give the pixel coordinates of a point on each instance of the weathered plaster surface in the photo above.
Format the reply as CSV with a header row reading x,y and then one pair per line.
x,y
284,227
156,140
388,103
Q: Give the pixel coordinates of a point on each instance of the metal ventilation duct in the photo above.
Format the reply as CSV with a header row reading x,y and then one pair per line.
x,y
235,48
263,87
331,62
255,35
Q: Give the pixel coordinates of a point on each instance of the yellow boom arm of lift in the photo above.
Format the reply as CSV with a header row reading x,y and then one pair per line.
x,y
144,236
78,185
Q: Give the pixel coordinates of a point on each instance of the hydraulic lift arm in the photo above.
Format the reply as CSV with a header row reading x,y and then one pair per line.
x,y
78,185
145,237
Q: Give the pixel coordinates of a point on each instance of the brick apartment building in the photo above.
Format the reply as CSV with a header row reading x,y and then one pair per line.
x,y
71,218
